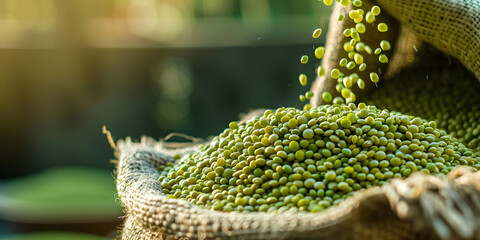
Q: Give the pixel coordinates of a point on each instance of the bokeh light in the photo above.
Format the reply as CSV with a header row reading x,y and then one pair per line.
x,y
139,67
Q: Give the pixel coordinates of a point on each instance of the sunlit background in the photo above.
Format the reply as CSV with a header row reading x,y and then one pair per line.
x,y
139,67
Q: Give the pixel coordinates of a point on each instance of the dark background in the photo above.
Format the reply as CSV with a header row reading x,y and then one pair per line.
x,y
141,67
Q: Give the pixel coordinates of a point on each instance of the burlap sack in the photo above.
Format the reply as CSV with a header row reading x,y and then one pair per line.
x,y
420,207
450,26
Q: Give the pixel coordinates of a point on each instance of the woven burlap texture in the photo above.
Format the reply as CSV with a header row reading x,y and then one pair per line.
x,y
415,208
451,26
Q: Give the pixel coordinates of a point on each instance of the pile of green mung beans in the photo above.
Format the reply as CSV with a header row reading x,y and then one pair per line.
x,y
307,160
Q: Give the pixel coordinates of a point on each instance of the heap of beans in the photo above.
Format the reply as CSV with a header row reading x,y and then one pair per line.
x,y
308,160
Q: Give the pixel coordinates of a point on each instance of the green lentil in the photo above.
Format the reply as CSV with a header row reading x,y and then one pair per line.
x,y
347,33
317,33
350,65
383,58
358,19
347,46
335,74
233,125
347,82
309,94
308,134
360,27
382,27
327,97
362,67
319,52
374,77
345,3
385,45
304,59
358,58
376,10
353,14
320,71
345,93
369,17
358,3
361,84
368,49
302,78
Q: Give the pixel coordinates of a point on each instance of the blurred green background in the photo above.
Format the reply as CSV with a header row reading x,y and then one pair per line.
x,y
139,67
